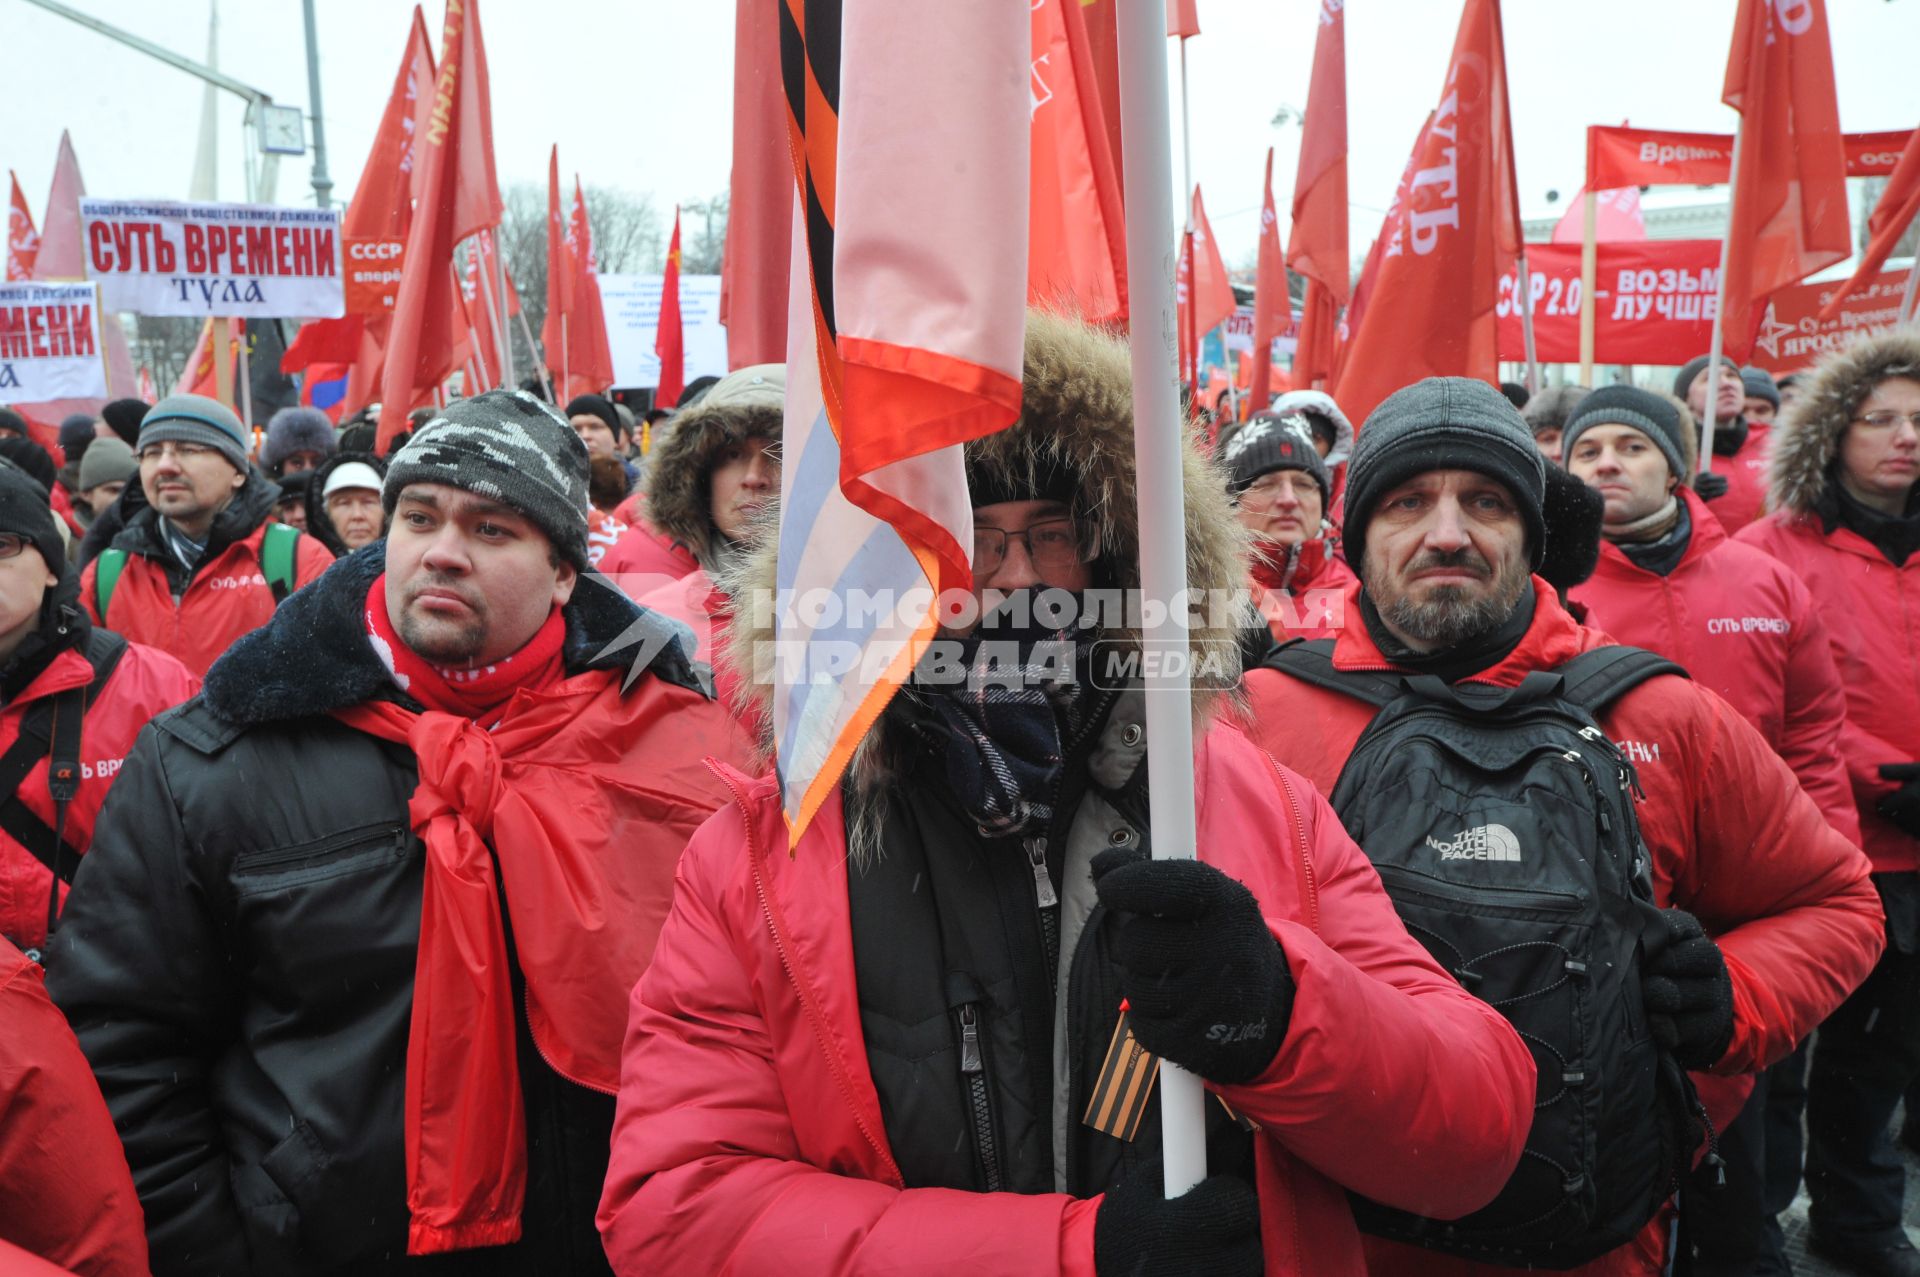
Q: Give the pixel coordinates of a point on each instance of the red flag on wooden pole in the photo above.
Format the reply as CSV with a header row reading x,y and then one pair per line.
x,y
1272,307
1205,293
560,273
591,357
669,340
1076,240
457,196
1319,235
1451,234
1892,214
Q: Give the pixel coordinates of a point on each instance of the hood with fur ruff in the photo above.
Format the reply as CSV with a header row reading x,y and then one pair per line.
x,y
1806,438
1077,416
679,504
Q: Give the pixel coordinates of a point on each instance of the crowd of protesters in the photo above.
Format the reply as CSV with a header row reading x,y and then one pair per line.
x,y
393,873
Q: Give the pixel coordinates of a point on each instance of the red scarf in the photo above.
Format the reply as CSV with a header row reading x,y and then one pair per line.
x,y
478,693
527,791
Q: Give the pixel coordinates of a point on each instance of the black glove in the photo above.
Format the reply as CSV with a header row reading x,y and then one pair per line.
x,y
1902,806
1709,485
1688,994
1212,1228
1205,981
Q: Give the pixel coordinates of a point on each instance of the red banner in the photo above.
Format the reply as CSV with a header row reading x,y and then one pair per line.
x,y
1654,302
1655,157
1793,336
373,272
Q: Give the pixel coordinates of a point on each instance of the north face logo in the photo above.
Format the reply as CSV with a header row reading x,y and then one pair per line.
x,y
1482,842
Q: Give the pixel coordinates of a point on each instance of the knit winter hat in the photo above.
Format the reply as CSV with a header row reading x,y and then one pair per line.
x,y
1759,384
1271,442
1689,371
125,416
1444,423
76,433
510,447
197,419
294,430
107,461
29,457
1553,407
1656,418
597,406
25,513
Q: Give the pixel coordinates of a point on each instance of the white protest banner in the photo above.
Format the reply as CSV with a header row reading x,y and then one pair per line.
x,y
50,343
254,261
632,306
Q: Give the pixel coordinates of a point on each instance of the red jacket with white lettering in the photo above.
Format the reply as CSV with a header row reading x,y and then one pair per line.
x,y
1734,839
1746,475
749,1137
145,682
65,1192
1745,626
225,596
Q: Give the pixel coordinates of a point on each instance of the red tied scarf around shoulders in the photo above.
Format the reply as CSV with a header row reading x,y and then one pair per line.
x,y
501,753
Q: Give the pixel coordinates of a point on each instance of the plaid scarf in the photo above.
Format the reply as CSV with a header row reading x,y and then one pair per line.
x,y
999,730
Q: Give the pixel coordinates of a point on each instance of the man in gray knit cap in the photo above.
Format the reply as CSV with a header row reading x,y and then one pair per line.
x,y
449,730
1761,903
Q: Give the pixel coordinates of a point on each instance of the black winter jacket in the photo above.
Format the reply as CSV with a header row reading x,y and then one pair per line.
x,y
237,959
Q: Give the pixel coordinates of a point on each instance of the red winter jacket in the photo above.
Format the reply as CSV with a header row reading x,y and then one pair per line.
x,y
227,596
641,551
65,1192
1301,590
1873,612
1746,475
1734,841
145,682
749,1137
1746,627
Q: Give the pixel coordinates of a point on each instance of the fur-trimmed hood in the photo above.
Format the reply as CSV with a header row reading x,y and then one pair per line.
x,y
1806,438
1076,416
678,468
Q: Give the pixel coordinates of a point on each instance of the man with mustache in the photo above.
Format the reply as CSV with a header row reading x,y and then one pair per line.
x,y
1766,917
351,956
204,562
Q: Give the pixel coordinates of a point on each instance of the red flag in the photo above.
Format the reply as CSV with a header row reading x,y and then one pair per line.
x,y
1453,230
1892,214
1206,274
62,256
669,341
1319,236
23,242
588,361
1183,18
382,206
1272,307
560,271
457,195
1789,213
753,269
1076,232
1096,20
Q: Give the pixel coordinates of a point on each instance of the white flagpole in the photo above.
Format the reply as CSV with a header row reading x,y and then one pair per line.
x,y
1147,147
1712,374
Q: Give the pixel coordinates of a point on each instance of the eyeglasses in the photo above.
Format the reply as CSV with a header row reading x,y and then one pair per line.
x,y
1051,544
182,452
1265,490
1888,420
10,545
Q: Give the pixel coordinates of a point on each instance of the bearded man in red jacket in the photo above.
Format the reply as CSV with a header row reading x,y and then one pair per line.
x,y
351,950
1766,917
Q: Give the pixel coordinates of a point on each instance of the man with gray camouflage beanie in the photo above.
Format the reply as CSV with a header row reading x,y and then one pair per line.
x,y
451,728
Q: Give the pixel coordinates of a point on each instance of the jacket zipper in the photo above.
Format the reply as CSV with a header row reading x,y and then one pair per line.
x,y
1312,887
973,1073
1481,893
1047,902
297,855
807,1004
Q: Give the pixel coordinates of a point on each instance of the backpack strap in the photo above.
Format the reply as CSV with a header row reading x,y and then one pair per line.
x,y
51,729
106,575
1596,679
1311,661
277,559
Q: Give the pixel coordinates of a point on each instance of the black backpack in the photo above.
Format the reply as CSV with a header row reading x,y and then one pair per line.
x,y
1502,824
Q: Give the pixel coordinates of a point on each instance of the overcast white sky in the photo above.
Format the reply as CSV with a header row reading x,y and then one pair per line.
x,y
639,95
